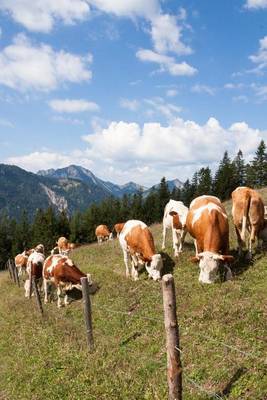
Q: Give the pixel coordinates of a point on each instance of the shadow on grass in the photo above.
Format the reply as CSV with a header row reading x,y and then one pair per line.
x,y
76,294
168,263
227,389
243,263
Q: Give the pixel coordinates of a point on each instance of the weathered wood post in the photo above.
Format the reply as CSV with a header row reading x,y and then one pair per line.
x,y
174,366
87,313
16,274
37,294
9,268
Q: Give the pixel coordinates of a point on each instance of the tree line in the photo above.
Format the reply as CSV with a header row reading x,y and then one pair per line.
x,y
47,225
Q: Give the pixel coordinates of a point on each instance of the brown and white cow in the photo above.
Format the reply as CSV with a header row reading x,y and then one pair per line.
x,y
34,268
207,223
63,246
248,214
102,233
175,213
61,271
138,247
21,261
118,228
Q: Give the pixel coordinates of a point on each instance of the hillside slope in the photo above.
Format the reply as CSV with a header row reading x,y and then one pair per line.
x,y
223,335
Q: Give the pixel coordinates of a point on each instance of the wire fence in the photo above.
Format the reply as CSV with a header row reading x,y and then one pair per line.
x,y
134,313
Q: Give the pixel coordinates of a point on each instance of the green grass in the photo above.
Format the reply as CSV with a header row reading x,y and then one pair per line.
x,y
48,358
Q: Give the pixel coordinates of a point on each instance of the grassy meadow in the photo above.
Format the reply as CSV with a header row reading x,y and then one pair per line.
x,y
222,328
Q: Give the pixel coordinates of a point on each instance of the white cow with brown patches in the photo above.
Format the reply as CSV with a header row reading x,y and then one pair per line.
x,y
207,223
248,215
174,218
61,271
138,247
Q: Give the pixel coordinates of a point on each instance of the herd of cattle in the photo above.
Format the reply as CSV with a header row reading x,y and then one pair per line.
x,y
206,221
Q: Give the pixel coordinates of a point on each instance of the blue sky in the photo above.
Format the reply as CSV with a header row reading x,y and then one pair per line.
x,y
131,90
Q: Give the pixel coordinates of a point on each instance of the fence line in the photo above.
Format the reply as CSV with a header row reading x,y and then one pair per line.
x,y
202,389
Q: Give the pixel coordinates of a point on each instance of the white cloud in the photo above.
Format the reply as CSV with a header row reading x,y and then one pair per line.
x,y
256,4
171,92
72,106
26,66
158,104
123,151
131,105
7,124
166,63
72,121
129,8
203,89
240,99
166,35
41,15
261,57
233,85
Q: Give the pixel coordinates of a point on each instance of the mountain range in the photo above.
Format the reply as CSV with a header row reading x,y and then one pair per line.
x,y
72,188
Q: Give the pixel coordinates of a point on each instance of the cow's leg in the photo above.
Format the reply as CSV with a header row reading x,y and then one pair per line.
x,y
175,242
182,238
163,237
126,259
252,237
196,248
59,295
27,288
134,271
66,301
239,240
46,300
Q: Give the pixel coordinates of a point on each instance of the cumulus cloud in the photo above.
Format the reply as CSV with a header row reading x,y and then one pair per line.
x,y
6,123
131,105
25,66
158,105
72,106
40,16
260,59
129,8
256,4
166,63
166,35
125,151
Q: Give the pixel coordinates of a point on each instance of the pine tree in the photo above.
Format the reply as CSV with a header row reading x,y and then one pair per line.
x,y
259,164
224,182
204,182
239,170
163,198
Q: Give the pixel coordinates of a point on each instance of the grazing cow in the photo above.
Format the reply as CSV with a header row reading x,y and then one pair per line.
x,y
102,233
61,271
21,261
63,246
34,267
118,228
175,213
248,214
207,223
138,247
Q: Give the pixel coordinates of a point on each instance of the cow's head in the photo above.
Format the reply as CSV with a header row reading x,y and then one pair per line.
x,y
209,264
154,267
40,248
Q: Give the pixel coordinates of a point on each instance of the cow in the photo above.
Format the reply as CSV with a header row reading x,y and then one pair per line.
x,y
138,247
102,233
175,213
63,246
21,261
248,214
34,268
207,223
61,271
118,228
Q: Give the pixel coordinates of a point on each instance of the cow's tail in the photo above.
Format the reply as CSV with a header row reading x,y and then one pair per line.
x,y
245,218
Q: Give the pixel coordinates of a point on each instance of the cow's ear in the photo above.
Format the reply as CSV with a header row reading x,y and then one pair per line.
x,y
228,259
194,259
172,213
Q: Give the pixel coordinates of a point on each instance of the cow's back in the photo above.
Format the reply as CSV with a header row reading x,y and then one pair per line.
x,y
247,202
102,230
179,208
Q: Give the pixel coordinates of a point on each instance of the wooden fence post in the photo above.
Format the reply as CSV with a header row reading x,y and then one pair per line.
x,y
87,313
11,266
174,366
9,269
16,274
37,294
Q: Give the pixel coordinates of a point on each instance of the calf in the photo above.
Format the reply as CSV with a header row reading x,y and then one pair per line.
x,y
102,233
207,223
34,268
138,247
118,228
248,214
61,271
175,214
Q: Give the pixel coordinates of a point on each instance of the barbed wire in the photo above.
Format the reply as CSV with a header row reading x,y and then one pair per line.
x,y
202,389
